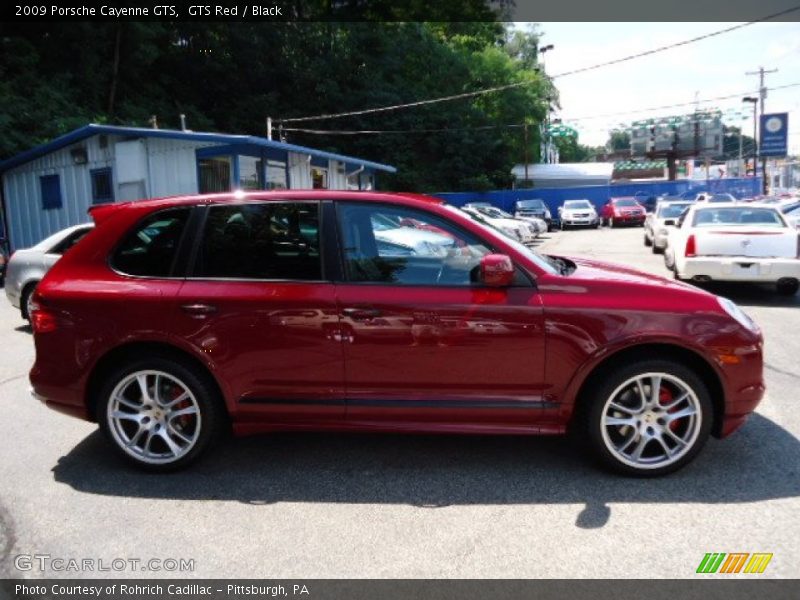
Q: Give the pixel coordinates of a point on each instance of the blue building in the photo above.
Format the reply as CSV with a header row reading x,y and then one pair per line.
x,y
51,187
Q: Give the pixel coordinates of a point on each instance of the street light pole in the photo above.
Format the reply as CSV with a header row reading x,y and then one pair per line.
x,y
541,50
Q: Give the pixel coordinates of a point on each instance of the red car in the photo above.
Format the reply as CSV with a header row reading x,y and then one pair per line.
x,y
175,319
623,211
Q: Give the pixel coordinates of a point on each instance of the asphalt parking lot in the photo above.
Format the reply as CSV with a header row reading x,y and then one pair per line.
x,y
312,505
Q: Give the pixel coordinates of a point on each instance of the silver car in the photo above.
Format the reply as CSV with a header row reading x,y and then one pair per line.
x,y
658,222
27,267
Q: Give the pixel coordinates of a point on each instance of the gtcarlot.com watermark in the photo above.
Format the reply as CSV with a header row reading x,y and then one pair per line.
x,y
66,564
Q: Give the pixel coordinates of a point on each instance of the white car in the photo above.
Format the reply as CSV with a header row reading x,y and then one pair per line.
x,y
658,223
27,266
513,228
709,197
578,213
791,212
539,225
735,242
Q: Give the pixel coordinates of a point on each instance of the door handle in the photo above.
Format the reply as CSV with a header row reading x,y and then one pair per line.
x,y
198,309
361,314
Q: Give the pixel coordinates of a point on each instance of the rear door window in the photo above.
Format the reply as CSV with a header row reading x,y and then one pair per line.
x,y
269,240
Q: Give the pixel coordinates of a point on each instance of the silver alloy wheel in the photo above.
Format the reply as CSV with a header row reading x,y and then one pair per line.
x,y
651,421
154,417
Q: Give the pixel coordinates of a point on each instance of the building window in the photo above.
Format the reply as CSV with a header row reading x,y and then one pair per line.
x,y
102,186
250,177
215,174
276,175
319,178
51,192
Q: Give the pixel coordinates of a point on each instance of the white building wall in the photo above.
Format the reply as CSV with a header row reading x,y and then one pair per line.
x,y
171,170
299,171
337,177
172,166
27,222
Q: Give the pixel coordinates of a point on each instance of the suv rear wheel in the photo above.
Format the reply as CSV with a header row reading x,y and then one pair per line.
x,y
159,413
648,418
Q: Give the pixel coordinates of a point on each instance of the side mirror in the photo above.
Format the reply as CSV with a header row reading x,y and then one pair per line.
x,y
669,222
497,270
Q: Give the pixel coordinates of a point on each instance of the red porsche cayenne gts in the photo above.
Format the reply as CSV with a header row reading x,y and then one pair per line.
x,y
175,319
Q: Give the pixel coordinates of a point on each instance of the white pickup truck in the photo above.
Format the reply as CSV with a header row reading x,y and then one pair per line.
x,y
735,242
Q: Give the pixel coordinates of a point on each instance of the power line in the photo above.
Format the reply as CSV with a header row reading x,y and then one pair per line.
x,y
677,105
506,126
523,83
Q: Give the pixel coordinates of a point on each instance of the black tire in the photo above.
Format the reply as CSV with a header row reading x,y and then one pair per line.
x,y
648,242
27,291
788,288
593,413
212,413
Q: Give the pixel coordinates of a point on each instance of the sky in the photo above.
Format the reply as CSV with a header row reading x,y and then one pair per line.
x,y
705,69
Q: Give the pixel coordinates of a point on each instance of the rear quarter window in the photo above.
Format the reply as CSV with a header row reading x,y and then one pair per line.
x,y
149,249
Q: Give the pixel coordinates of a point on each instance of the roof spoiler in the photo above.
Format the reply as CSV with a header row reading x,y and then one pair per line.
x,y
100,212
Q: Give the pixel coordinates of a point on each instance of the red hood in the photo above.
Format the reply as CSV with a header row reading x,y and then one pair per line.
x,y
602,271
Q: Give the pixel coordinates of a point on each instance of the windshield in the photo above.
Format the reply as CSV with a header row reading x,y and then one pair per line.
x,y
722,198
494,213
541,261
671,211
735,216
530,204
577,204
626,202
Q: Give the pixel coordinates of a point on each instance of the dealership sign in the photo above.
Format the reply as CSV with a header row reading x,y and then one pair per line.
x,y
774,134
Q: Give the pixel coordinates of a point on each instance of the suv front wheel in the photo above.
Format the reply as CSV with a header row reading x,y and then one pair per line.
x,y
159,413
649,418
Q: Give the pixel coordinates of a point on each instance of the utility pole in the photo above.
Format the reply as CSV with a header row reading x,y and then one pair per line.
x,y
762,93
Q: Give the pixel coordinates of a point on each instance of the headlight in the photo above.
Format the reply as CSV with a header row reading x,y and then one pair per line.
x,y
730,307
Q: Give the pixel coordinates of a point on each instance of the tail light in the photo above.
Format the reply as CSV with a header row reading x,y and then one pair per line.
x,y
691,247
42,320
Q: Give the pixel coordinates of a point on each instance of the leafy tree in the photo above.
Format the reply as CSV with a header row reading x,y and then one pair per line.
x,y
230,76
619,140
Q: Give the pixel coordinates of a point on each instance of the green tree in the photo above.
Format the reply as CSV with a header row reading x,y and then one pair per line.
x,y
230,76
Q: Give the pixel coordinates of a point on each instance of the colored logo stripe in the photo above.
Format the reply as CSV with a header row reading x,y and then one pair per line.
x,y
734,562
758,563
713,562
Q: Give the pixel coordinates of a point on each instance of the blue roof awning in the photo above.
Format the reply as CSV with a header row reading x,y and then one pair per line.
x,y
219,138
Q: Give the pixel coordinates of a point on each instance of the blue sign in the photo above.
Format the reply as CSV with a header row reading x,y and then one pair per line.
x,y
774,134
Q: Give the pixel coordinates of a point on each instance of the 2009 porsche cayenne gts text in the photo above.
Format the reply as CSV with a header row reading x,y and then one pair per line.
x,y
175,319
